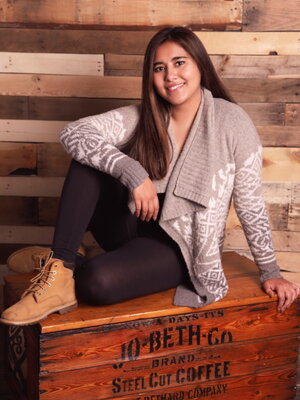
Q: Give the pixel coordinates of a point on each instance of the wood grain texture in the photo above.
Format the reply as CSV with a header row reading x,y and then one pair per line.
x,y
282,240
243,90
281,164
271,15
135,42
221,14
52,160
49,63
18,210
70,109
227,66
12,130
17,158
292,115
31,186
14,107
34,235
48,209
279,136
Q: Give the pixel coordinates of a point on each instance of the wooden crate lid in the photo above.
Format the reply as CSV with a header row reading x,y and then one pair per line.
x,y
244,288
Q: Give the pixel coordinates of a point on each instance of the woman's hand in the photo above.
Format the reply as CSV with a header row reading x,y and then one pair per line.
x,y
146,200
286,291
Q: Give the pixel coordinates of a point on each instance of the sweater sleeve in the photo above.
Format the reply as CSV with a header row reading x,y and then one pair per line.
x,y
95,141
248,199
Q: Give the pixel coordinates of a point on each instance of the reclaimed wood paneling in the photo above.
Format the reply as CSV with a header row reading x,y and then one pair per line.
x,y
243,90
48,208
70,109
30,130
31,186
281,164
49,63
15,157
135,42
288,136
13,107
251,43
271,15
292,115
227,66
70,86
282,240
31,235
52,160
18,210
143,14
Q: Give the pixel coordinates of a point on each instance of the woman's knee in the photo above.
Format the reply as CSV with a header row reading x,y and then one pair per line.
x,y
94,286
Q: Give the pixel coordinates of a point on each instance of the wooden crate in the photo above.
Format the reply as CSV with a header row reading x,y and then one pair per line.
x,y
147,349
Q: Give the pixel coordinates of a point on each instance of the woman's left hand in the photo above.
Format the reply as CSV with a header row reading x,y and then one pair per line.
x,y
286,291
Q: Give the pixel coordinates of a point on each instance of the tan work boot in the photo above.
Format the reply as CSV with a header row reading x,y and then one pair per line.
x,y
30,258
52,290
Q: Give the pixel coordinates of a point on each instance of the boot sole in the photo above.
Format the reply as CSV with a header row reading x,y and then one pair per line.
x,y
32,321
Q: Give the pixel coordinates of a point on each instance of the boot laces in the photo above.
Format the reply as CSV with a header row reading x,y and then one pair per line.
x,y
41,280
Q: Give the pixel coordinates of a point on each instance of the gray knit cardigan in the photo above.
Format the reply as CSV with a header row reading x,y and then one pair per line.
x,y
221,159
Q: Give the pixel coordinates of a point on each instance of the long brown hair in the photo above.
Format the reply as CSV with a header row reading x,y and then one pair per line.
x,y
150,144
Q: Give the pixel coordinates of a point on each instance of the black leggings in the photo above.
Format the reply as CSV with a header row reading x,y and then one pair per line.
x,y
140,257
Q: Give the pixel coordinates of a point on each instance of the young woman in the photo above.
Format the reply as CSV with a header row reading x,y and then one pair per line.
x,y
153,183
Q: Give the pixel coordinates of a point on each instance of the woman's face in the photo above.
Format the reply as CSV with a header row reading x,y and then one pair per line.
x,y
176,76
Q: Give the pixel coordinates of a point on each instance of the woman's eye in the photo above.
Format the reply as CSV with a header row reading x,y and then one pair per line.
x,y
180,62
158,69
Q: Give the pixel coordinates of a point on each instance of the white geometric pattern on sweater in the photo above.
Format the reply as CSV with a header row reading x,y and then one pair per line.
x,y
214,281
204,230
94,140
250,207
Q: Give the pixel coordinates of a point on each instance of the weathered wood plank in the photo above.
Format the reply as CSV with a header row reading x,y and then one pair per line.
x,y
145,375
265,113
70,109
70,86
279,136
32,235
250,43
135,42
283,241
294,211
31,186
218,15
264,90
52,160
30,130
14,107
244,90
271,15
49,63
17,158
281,164
292,114
18,210
48,208
227,66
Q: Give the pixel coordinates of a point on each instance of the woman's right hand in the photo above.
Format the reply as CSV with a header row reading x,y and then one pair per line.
x,y
146,200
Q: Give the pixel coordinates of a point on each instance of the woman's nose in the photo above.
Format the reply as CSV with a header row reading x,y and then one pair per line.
x,y
171,74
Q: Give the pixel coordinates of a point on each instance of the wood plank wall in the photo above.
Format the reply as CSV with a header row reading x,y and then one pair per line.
x,y
62,60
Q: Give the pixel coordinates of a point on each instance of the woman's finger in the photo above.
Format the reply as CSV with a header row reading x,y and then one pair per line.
x,y
156,208
138,207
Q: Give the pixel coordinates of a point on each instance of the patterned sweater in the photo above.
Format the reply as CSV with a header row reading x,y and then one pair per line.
x,y
221,159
